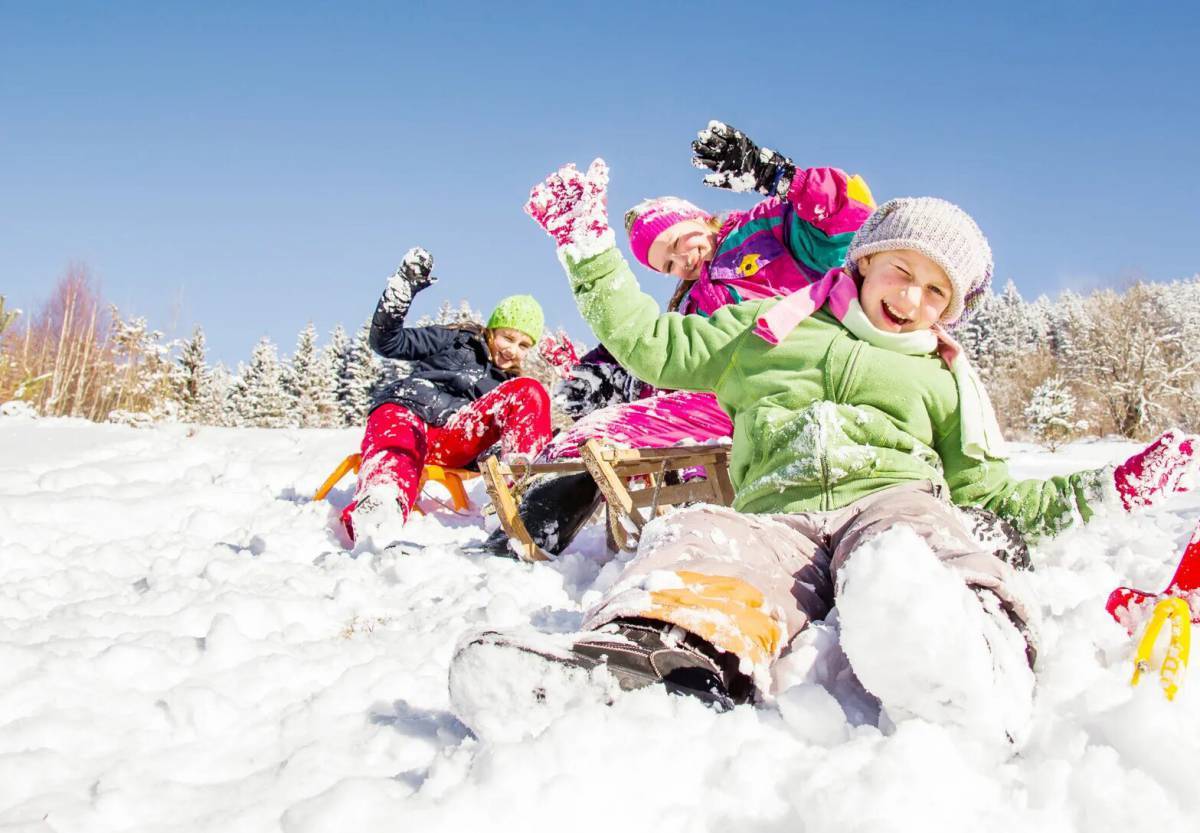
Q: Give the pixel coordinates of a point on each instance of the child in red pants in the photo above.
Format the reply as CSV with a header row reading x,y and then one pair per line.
x,y
462,396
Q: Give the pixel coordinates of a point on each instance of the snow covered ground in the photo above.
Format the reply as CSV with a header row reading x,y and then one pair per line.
x,y
187,645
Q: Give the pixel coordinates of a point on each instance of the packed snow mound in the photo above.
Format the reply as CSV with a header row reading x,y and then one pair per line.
x,y
927,645
187,644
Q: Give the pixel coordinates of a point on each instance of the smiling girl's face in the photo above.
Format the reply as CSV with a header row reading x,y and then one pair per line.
x,y
902,291
683,249
508,347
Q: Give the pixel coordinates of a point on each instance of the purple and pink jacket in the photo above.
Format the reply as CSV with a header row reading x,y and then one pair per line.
x,y
783,243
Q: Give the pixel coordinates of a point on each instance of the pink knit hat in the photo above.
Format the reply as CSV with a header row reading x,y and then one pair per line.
x,y
650,218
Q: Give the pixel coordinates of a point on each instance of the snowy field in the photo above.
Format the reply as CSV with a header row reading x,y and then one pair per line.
x,y
187,645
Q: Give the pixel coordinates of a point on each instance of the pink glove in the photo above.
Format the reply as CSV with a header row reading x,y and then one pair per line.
x,y
1166,466
573,209
558,351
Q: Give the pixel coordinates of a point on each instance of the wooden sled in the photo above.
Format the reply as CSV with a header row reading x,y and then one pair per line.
x,y
618,472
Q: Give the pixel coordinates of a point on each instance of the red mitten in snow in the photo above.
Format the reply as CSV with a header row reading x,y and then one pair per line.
x,y
1167,465
559,352
573,209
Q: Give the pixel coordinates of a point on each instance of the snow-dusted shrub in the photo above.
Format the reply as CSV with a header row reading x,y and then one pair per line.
x,y
1050,414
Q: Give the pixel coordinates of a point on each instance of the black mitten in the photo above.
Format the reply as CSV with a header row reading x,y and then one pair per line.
x,y
416,269
738,164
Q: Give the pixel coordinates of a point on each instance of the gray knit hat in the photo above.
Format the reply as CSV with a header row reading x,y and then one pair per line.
x,y
942,232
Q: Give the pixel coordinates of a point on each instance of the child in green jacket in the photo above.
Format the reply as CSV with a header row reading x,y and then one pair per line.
x,y
855,416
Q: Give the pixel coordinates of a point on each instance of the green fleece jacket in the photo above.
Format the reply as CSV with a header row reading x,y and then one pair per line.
x,y
821,419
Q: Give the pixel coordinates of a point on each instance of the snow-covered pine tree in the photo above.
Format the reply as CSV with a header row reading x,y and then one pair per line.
x,y
1061,322
260,396
977,333
213,408
1016,326
194,378
234,404
311,382
449,316
1050,414
337,356
358,378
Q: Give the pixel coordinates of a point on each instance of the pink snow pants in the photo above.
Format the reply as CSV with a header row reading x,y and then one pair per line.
x,y
678,418
397,443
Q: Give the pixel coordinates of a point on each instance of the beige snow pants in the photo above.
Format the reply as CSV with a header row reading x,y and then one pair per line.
x,y
749,583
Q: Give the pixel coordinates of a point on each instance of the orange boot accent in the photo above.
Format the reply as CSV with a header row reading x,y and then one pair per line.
x,y
452,479
353,461
724,610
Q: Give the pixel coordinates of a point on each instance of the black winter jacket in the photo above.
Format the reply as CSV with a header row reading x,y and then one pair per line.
x,y
449,367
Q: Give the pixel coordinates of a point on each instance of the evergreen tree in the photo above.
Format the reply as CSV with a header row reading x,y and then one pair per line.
x,y
194,379
977,333
337,357
261,400
310,382
1015,326
235,397
449,316
213,408
358,378
1050,413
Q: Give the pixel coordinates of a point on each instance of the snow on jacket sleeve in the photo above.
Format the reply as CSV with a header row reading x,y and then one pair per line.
x,y
681,352
392,340
1035,507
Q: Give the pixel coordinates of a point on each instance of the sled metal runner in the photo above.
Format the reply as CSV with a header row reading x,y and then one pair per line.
x,y
634,482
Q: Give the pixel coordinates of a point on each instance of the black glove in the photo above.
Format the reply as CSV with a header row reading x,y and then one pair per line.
x,y
738,164
415,270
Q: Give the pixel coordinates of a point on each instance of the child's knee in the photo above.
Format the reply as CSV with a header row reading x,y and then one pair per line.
x,y
392,426
530,391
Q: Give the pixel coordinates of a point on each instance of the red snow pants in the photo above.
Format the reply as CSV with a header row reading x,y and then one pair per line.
x,y
397,443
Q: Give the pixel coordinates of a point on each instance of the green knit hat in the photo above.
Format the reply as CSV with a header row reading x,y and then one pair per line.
x,y
520,312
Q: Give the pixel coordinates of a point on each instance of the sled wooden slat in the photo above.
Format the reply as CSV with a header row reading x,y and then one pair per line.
x,y
521,469
672,453
496,482
719,473
670,495
632,468
634,482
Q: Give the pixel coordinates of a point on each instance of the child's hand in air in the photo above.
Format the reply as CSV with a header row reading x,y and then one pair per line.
x,y
738,164
1166,466
559,352
573,209
415,270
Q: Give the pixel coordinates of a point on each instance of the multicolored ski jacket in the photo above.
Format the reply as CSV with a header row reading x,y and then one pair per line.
x,y
821,419
783,244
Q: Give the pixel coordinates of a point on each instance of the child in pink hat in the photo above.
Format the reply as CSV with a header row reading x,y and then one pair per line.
x,y
786,242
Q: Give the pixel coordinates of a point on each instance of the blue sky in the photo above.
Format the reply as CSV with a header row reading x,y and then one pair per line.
x,y
253,166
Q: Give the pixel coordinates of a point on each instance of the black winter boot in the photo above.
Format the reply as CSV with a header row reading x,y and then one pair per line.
x,y
636,653
642,652
553,510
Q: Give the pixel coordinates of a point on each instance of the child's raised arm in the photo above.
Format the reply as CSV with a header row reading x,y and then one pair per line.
x,y
671,350
389,337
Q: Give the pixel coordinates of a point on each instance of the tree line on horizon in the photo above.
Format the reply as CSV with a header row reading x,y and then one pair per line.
x,y
78,357
1117,362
